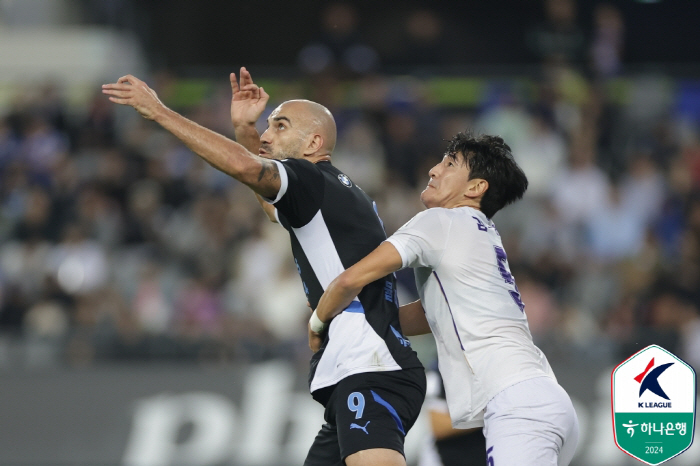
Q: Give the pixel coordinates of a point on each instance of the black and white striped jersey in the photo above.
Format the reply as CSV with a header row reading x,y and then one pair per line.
x,y
333,224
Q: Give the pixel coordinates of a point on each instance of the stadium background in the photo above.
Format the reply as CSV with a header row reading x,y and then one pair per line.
x,y
150,316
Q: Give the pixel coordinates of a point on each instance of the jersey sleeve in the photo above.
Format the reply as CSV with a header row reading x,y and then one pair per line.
x,y
301,191
421,241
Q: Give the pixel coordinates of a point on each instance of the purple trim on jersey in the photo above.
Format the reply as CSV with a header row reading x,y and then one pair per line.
x,y
450,309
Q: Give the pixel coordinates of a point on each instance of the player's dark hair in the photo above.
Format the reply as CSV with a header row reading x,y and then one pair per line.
x,y
490,158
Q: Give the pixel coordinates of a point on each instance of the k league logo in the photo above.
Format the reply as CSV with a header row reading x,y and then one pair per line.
x,y
651,382
653,403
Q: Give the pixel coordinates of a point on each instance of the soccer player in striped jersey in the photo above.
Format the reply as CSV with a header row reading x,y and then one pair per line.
x,y
365,374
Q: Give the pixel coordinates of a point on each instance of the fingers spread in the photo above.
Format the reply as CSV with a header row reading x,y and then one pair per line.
x,y
246,78
234,82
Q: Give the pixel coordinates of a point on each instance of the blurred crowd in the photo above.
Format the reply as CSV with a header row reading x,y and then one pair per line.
x,y
118,243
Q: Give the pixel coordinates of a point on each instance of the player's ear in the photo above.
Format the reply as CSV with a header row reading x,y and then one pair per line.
x,y
476,188
314,143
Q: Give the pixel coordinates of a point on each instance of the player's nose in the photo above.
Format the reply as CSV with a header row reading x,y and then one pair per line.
x,y
265,137
433,171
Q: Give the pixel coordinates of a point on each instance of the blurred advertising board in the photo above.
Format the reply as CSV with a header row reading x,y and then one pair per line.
x,y
185,415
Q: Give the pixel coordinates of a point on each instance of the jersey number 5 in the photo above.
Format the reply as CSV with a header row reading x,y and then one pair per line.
x,y
502,260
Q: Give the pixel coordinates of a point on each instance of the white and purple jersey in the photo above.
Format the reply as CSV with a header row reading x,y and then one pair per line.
x,y
472,305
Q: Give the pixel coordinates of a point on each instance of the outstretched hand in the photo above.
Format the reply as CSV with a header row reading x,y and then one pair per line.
x,y
129,90
248,100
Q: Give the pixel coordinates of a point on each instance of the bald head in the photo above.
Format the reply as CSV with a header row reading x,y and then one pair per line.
x,y
299,128
315,118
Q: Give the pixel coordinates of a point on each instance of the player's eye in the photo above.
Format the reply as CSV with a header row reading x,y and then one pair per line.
x,y
281,126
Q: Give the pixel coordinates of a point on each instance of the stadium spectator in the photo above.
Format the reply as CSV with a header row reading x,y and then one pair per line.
x,y
339,48
608,41
559,38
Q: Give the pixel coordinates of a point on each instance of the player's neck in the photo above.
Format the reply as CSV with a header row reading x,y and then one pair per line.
x,y
472,203
319,158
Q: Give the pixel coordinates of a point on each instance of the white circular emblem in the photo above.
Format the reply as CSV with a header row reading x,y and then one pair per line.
x,y
345,180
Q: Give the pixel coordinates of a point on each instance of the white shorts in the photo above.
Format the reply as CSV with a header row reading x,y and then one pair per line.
x,y
531,423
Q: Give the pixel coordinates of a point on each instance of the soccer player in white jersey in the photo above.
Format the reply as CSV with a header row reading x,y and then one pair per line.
x,y
493,373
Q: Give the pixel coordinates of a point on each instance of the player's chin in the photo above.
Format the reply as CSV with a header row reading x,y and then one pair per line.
x,y
276,156
426,198
270,155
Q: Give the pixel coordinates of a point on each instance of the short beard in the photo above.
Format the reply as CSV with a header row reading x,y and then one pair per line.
x,y
292,151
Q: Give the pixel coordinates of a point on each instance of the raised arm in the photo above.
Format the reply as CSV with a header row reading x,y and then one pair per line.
x,y
260,174
248,101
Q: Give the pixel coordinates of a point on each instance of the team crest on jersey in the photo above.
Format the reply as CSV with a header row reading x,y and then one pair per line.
x,y
653,398
345,180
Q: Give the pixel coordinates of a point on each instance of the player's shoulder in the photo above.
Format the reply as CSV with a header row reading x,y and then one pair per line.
x,y
435,214
468,220
461,219
430,220
301,164
337,181
469,214
318,169
301,172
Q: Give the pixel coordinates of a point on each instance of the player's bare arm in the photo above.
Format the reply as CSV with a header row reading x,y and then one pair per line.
x,y
248,101
261,175
385,259
413,320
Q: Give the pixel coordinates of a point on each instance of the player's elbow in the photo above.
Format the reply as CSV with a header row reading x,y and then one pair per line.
x,y
346,282
246,170
261,175
342,282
